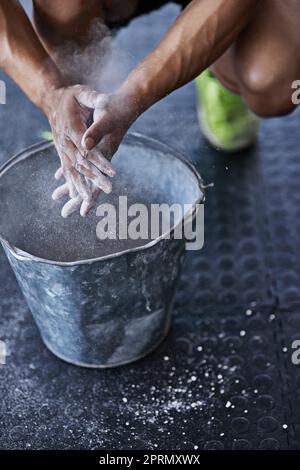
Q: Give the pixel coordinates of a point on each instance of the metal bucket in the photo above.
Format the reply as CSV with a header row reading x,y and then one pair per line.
x,y
95,306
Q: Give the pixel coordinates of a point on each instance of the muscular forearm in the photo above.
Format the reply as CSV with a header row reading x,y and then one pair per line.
x,y
204,30
22,56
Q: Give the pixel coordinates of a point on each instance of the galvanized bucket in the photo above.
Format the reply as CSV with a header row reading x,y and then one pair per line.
x,y
94,306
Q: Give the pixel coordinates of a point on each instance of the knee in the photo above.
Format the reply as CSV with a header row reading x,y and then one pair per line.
x,y
268,94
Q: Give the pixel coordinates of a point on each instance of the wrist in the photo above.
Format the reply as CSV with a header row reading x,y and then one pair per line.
x,y
134,95
50,85
48,99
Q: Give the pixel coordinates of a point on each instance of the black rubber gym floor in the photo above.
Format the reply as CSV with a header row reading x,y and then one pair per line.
x,y
224,378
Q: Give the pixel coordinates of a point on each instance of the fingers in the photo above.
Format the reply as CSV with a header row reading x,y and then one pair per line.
x,y
110,144
79,165
77,202
75,136
70,183
87,206
80,185
101,163
60,192
73,180
59,173
71,206
83,190
94,156
66,164
103,183
90,169
96,132
96,177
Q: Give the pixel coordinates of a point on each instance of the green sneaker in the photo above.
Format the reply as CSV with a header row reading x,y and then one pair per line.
x,y
46,135
225,120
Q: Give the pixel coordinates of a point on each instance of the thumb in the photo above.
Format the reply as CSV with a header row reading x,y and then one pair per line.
x,y
95,133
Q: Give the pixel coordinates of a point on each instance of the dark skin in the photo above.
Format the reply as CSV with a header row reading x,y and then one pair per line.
x,y
236,38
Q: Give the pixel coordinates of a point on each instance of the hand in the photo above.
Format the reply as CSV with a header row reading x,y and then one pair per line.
x,y
83,170
77,202
113,115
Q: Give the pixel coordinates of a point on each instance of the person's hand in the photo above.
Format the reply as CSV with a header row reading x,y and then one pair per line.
x,y
113,115
84,171
77,202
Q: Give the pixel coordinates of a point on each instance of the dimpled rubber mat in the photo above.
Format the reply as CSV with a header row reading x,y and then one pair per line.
x,y
224,378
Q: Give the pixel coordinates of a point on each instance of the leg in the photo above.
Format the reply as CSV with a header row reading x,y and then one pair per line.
x,y
264,62
60,20
67,28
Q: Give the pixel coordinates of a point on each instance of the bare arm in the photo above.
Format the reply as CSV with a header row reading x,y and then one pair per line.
x,y
22,56
203,31
199,36
24,59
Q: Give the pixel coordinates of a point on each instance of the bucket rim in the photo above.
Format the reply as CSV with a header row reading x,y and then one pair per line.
x,y
134,136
